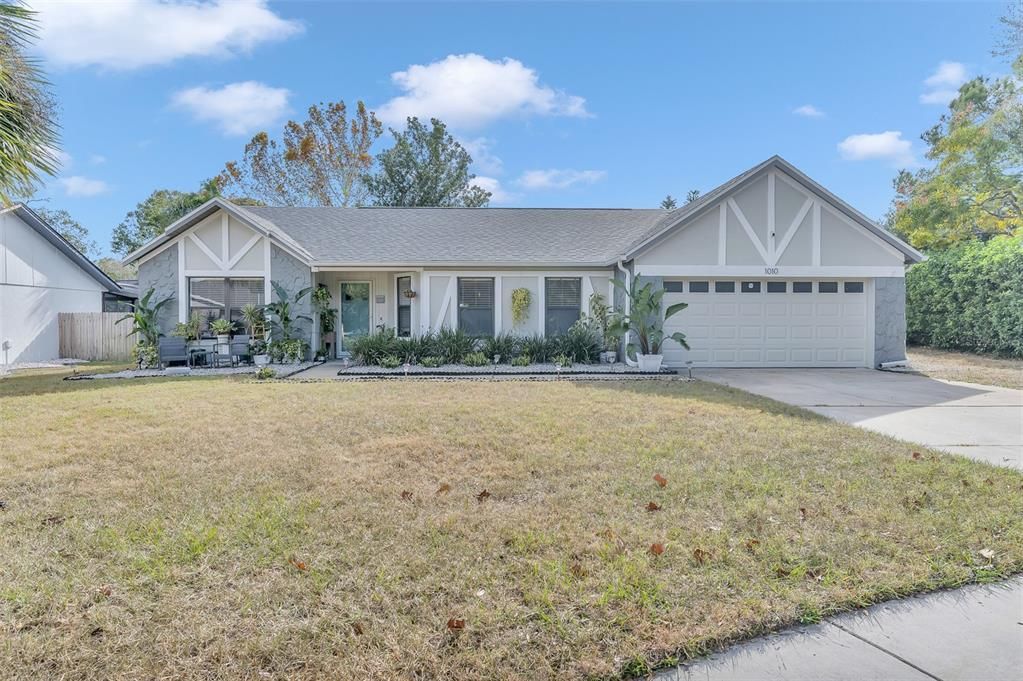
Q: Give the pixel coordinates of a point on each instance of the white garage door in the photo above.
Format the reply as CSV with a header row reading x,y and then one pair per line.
x,y
760,323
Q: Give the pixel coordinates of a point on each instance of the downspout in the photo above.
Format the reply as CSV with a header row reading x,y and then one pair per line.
x,y
628,306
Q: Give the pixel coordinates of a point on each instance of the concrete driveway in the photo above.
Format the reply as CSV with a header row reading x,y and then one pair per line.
x,y
978,421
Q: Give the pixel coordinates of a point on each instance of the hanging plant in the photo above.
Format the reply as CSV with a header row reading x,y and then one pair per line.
x,y
521,299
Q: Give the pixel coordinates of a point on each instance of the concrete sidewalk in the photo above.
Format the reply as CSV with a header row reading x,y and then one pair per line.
x,y
973,633
979,421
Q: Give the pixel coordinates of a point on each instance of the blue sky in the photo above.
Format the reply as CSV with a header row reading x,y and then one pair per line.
x,y
562,104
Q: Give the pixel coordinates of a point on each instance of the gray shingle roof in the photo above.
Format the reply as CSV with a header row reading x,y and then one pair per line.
x,y
541,236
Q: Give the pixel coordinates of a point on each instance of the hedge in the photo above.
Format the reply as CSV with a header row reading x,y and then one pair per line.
x,y
969,297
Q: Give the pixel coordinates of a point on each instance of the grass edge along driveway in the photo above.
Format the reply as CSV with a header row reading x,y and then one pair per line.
x,y
201,528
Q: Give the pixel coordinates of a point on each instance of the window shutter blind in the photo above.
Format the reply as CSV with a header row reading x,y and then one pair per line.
x,y
475,294
562,292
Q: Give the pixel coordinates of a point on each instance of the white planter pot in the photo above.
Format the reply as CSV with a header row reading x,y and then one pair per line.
x,y
261,360
649,362
608,357
224,339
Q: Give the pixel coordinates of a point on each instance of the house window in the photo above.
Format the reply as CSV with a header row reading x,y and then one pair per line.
x,y
404,321
854,287
563,296
673,287
802,287
777,287
115,303
751,287
724,287
699,287
476,305
827,287
217,298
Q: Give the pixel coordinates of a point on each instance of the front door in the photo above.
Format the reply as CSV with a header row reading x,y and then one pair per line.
x,y
355,316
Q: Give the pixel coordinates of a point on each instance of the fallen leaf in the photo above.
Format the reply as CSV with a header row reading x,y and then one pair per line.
x,y
917,456
443,489
456,625
607,533
986,553
657,549
661,480
53,520
752,545
482,496
96,631
989,481
105,590
652,506
802,513
357,628
577,570
298,564
701,556
406,495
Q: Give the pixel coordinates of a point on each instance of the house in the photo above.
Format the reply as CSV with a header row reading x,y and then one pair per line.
x,y
777,270
41,274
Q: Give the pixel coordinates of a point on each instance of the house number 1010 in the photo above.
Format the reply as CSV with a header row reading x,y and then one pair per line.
x,y
770,270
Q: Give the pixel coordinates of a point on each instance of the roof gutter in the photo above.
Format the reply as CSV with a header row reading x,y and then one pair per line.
x,y
628,307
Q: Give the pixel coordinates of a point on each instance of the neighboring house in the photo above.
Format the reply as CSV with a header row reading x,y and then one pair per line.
x,y
41,274
777,270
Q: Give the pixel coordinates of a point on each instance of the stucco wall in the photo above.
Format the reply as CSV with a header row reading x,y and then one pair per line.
x,y
161,274
889,319
294,276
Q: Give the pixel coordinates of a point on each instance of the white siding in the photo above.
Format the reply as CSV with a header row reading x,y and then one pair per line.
x,y
36,282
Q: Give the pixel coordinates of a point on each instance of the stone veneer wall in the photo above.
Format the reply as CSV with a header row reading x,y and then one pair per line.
x,y
160,273
889,319
294,276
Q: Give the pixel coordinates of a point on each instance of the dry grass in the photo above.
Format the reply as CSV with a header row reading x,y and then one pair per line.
x,y
967,367
207,528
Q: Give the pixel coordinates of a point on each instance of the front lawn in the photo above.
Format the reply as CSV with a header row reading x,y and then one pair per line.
x,y
203,528
966,366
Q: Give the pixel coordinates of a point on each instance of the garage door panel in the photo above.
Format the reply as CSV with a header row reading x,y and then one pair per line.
x,y
771,329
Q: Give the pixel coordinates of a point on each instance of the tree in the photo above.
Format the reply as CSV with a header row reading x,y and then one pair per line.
x,y
669,203
692,195
28,127
115,270
425,167
975,187
70,229
320,162
156,212
1011,44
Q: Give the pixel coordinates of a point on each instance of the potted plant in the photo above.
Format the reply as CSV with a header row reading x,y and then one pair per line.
x,y
600,313
260,355
145,326
645,321
283,318
254,318
222,328
409,293
327,314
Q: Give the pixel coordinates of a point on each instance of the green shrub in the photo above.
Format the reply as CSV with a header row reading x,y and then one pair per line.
x,y
540,348
504,344
412,349
373,347
454,344
476,359
390,362
563,361
969,297
264,373
431,361
521,361
145,356
582,343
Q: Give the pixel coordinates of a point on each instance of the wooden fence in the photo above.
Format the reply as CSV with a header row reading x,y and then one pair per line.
x,y
94,335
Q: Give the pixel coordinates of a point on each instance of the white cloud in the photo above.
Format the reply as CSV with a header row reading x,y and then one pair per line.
x,y
470,91
483,159
237,108
808,110
79,186
887,145
943,85
498,194
131,34
64,159
558,178
97,159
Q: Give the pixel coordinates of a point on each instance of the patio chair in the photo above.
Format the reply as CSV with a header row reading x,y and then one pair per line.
x,y
171,349
240,349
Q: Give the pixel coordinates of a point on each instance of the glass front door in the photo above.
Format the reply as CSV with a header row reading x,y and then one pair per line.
x,y
355,317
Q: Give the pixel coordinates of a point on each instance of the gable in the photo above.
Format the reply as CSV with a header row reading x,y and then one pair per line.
x,y
29,259
769,222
